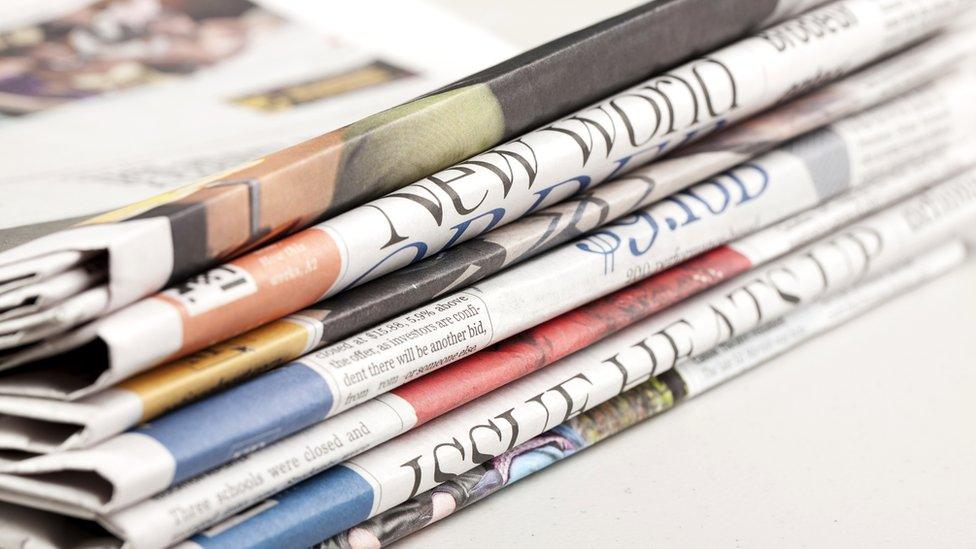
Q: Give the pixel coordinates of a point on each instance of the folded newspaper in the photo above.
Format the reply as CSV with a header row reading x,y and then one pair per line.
x,y
455,442
391,409
687,380
204,499
166,239
20,526
505,183
40,426
351,371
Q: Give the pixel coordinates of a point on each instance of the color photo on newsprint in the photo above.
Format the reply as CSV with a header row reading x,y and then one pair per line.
x,y
278,274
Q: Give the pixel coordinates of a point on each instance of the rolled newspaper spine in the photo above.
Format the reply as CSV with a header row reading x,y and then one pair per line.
x,y
489,190
174,448
52,294
658,395
417,461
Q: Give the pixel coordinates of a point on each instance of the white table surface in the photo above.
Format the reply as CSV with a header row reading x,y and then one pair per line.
x,y
862,437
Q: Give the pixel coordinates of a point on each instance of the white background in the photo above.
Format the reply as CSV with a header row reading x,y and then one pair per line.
x,y
862,437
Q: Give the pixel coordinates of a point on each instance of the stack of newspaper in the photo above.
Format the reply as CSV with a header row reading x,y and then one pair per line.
x,y
345,341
